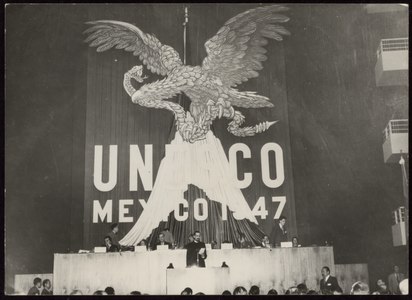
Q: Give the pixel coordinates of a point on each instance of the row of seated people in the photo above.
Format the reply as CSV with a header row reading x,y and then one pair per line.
x,y
165,238
241,244
278,235
358,288
398,284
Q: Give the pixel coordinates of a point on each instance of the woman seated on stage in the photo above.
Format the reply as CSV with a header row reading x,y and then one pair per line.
x,y
142,243
295,242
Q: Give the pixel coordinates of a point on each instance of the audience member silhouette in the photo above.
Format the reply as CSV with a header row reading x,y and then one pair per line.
x,y
187,291
272,292
240,290
254,290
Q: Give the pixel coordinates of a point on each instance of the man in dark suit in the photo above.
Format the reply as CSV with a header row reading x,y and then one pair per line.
x,y
109,245
394,279
196,252
114,234
328,283
279,233
162,242
35,289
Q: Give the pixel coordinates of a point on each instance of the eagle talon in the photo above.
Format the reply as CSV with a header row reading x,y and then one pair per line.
x,y
210,104
232,112
220,111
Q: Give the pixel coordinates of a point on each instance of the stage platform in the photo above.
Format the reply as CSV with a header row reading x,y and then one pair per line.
x,y
278,268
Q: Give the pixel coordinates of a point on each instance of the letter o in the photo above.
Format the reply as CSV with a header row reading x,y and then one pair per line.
x,y
280,171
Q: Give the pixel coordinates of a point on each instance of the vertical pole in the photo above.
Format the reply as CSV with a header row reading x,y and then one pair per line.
x,y
405,184
184,33
180,99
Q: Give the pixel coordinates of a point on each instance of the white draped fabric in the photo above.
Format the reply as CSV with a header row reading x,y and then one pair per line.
x,y
203,164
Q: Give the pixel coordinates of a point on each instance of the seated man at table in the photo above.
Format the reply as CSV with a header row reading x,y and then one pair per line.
x,y
143,243
196,252
162,242
109,245
265,242
242,243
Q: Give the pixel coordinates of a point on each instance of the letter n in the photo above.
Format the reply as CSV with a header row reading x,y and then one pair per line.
x,y
137,166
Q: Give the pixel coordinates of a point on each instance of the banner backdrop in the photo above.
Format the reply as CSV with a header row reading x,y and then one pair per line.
x,y
125,142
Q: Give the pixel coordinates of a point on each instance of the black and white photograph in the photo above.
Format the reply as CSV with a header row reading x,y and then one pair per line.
x,y
206,149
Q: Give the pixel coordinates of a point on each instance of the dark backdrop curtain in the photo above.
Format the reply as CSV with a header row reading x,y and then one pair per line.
x,y
212,229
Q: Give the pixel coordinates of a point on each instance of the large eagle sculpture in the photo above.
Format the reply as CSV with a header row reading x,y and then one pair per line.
x,y
234,55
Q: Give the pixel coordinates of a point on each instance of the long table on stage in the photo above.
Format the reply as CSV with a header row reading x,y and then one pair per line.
x,y
278,268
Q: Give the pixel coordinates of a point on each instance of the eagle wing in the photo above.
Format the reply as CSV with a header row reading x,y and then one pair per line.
x,y
158,58
236,52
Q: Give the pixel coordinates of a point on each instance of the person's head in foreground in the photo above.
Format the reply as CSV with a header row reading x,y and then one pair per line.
x,y
76,293
325,272
272,292
302,289
135,293
240,290
47,284
382,288
37,282
109,290
359,288
99,293
293,291
187,291
254,290
226,293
